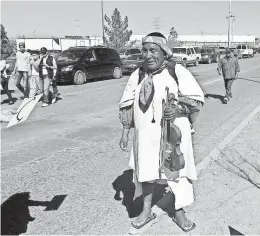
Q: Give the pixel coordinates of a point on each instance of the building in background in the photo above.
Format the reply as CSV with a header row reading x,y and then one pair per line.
x,y
200,40
59,44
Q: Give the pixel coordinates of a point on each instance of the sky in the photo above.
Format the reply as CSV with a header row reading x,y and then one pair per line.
x,y
57,18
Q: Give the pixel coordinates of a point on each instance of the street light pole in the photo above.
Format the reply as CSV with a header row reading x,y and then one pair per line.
x,y
103,31
229,23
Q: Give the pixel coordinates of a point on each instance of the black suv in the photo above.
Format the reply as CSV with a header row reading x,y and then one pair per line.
x,y
79,64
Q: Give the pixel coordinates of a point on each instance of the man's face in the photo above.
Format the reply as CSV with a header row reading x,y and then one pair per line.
x,y
44,54
228,54
22,48
153,56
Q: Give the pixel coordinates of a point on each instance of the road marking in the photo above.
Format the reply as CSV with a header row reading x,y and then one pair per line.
x,y
213,81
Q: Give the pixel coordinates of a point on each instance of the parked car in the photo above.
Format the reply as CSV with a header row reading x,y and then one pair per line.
x,y
187,54
79,64
124,53
198,52
246,50
132,62
209,55
178,60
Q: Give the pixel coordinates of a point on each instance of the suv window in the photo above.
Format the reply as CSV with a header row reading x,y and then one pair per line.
x,y
179,50
243,47
70,55
89,56
188,51
102,53
113,54
136,51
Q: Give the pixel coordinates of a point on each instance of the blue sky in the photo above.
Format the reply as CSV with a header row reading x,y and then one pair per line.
x,y
57,18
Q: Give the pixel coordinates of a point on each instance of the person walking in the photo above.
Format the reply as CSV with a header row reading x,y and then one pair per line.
x,y
140,108
5,81
34,80
230,69
47,71
22,70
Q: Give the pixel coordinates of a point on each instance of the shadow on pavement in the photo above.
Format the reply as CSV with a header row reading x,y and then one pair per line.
x,y
215,96
124,183
243,169
232,231
7,100
10,90
15,214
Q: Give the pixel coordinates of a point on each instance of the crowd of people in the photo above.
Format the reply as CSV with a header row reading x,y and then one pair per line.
x,y
38,73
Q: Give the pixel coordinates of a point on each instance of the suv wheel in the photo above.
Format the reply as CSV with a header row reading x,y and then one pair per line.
x,y
117,73
79,77
196,63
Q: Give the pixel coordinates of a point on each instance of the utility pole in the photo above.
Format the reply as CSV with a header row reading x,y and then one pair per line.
x,y
229,23
232,29
77,25
156,25
103,31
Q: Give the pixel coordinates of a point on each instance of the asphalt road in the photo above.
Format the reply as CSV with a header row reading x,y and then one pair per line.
x,y
71,148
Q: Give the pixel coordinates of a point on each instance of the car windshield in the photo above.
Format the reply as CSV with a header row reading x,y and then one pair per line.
x,y
197,50
205,50
179,50
133,57
70,56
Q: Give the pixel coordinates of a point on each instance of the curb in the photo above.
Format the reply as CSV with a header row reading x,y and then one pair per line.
x,y
210,158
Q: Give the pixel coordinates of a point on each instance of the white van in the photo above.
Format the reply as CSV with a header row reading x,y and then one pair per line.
x,y
246,50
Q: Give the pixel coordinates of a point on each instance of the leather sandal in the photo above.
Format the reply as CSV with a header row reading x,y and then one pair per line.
x,y
185,228
148,219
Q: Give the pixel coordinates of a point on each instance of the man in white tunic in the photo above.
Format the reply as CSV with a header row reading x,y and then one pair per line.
x,y
141,109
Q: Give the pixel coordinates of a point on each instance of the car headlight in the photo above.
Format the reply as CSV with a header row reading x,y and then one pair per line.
x,y
67,68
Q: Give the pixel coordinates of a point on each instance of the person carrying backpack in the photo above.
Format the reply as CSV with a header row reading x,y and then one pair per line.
x,y
141,108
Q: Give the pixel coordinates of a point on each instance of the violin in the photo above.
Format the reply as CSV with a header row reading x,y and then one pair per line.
x,y
171,157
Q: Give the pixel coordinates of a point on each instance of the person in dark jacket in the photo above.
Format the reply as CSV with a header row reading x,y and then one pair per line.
x,y
5,81
47,71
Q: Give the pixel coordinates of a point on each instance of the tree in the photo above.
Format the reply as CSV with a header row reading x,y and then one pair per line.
x,y
6,47
173,39
116,30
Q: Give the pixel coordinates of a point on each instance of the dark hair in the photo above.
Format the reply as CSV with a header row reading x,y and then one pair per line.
x,y
43,49
157,34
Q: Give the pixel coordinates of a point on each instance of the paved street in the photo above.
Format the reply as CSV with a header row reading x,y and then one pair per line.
x,y
71,148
